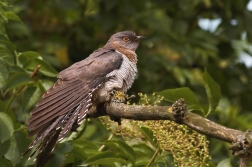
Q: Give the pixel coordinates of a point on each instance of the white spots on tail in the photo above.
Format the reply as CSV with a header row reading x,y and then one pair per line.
x,y
86,105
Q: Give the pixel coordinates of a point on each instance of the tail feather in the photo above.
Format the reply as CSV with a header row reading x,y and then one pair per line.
x,y
88,104
48,145
62,109
41,136
57,129
52,119
68,124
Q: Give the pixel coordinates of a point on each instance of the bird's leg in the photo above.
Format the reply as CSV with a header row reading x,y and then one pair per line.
x,y
117,97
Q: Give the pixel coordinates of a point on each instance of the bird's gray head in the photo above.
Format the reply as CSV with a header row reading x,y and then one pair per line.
x,y
124,39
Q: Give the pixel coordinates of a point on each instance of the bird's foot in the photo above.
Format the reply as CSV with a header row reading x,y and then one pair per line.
x,y
179,109
118,97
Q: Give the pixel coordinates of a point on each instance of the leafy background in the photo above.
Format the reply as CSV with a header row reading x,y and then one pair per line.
x,y
197,49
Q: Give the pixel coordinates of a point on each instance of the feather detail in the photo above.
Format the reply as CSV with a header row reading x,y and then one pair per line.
x,y
68,123
68,101
60,108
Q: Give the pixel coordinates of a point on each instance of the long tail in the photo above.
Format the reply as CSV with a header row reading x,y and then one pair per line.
x,y
62,106
55,131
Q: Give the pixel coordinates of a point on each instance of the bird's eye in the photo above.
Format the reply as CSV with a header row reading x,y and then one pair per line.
x,y
126,39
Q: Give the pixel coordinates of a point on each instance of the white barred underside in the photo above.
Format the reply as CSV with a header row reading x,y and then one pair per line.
x,y
120,79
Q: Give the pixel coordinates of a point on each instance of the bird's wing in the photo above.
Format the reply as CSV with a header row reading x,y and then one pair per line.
x,y
70,97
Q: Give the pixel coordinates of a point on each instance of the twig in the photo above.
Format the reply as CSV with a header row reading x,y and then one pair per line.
x,y
35,71
103,146
153,157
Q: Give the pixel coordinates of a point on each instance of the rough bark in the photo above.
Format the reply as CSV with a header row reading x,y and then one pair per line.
x,y
194,121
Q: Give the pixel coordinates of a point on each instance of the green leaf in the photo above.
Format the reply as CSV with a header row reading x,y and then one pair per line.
x,y
18,143
107,157
4,37
12,16
21,139
59,154
5,163
197,109
45,68
4,3
79,153
109,161
143,148
4,74
6,56
30,97
16,69
149,135
142,159
56,160
85,144
213,92
45,85
5,43
13,153
166,159
4,147
172,95
6,127
2,14
210,164
123,148
21,143
225,163
25,56
143,154
18,80
63,148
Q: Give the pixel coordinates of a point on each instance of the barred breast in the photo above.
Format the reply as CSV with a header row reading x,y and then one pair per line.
x,y
120,79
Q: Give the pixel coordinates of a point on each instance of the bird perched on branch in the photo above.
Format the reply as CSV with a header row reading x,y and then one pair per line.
x,y
79,87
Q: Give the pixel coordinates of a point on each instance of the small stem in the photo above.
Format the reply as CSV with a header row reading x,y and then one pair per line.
x,y
110,137
153,157
35,71
15,94
9,102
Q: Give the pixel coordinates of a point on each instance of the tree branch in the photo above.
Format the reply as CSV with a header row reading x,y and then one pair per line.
x,y
241,141
194,121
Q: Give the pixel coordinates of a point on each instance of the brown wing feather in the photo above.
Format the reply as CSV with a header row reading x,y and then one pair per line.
x,y
70,98
57,88
60,108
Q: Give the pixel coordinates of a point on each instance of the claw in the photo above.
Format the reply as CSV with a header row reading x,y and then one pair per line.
x,y
128,98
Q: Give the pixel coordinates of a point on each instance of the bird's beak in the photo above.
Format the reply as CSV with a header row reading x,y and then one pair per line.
x,y
140,37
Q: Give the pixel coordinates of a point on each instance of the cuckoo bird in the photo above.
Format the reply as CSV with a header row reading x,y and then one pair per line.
x,y
79,87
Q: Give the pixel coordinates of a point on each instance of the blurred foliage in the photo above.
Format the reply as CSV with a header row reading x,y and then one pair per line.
x,y
198,48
